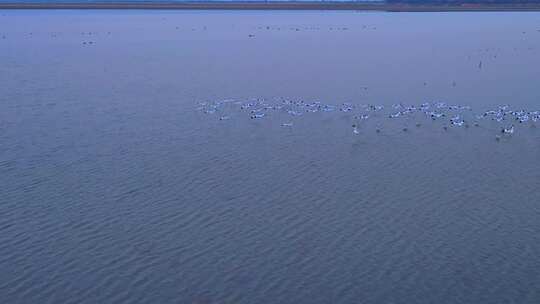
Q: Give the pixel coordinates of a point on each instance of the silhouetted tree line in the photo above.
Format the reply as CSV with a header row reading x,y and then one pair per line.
x,y
463,1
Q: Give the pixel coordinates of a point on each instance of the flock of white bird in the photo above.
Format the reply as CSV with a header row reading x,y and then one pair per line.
x,y
455,116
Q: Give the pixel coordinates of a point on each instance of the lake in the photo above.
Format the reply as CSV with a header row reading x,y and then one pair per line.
x,y
121,184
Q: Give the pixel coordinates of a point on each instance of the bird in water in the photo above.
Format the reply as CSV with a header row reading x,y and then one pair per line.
x,y
508,130
257,115
355,129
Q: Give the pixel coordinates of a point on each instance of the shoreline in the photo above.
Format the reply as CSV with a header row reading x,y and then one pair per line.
x,y
351,6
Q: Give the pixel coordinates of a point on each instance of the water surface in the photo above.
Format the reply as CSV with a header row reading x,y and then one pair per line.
x,y
115,189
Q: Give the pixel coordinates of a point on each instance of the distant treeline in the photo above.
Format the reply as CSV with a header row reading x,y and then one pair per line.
x,y
411,2
463,2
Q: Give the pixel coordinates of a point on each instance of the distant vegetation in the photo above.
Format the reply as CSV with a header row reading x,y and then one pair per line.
x,y
415,2
464,2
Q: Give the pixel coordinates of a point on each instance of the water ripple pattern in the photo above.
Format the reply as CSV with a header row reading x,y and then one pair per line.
x,y
145,158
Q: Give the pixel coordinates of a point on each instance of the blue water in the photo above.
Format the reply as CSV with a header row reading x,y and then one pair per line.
x,y
114,188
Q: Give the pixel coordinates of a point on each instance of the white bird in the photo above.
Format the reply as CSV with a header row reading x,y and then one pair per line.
x,y
257,115
508,130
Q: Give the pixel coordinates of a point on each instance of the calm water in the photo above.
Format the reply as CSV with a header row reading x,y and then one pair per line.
x,y
115,189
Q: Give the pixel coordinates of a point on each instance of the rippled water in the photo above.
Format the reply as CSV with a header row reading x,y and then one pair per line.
x,y
115,189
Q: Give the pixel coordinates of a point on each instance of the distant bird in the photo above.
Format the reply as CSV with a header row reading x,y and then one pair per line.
x,y
257,115
508,130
